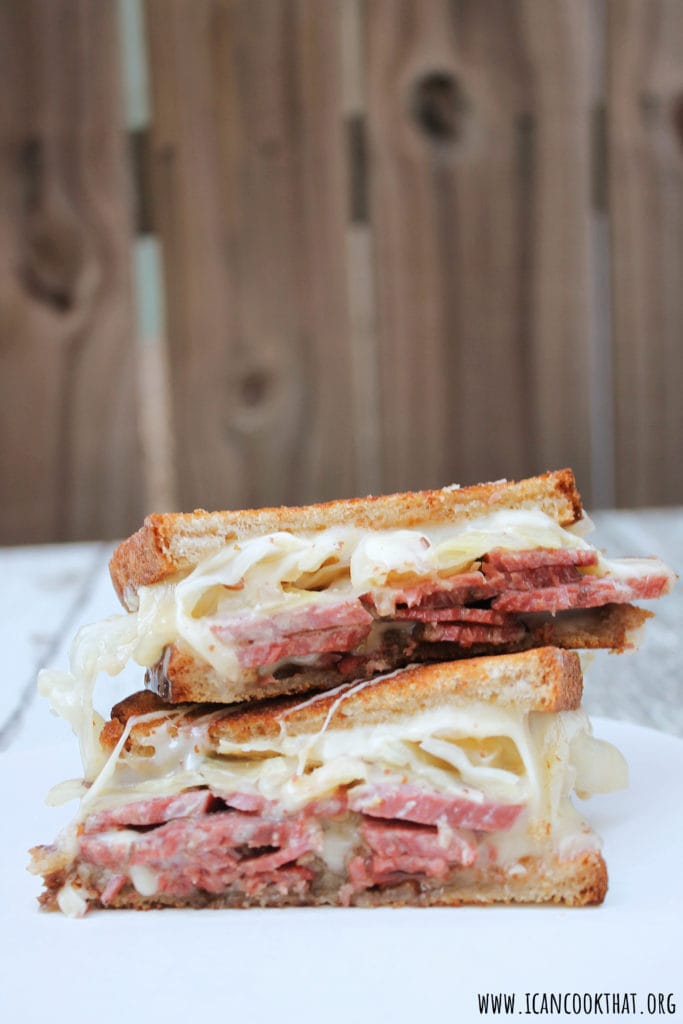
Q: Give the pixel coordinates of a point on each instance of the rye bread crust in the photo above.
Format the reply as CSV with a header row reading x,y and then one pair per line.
x,y
543,679
173,543
581,881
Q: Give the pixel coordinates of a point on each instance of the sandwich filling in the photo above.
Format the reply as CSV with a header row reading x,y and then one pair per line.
x,y
185,809
284,597
353,601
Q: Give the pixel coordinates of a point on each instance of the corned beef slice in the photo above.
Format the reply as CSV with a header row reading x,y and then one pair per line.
x,y
151,812
537,558
311,629
409,803
250,627
466,635
404,849
318,641
589,592
486,616
391,841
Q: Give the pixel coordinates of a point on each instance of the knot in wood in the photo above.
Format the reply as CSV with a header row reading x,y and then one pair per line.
x,y
256,395
254,387
677,118
439,106
53,263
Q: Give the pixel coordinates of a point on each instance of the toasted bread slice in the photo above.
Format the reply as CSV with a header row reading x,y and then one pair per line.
x,y
543,679
174,543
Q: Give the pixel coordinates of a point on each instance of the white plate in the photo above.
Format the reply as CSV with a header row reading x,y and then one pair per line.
x,y
346,965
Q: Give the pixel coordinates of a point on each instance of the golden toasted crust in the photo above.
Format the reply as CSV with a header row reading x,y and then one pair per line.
x,y
545,679
144,702
578,882
172,543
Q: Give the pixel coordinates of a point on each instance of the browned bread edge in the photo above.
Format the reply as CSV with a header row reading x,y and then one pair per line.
x,y
544,679
174,542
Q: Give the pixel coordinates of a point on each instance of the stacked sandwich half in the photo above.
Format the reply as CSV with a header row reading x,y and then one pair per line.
x,y
367,702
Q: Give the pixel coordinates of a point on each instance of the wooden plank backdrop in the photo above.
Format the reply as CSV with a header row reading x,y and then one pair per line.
x,y
646,202
68,448
249,197
404,242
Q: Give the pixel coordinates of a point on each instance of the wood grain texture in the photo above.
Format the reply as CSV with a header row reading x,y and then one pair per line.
x,y
362,298
480,198
645,123
563,316
68,459
405,242
250,190
440,140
